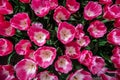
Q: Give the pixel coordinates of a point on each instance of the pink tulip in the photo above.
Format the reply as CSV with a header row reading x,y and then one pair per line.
x,y
106,2
115,58
66,32
72,50
6,72
80,75
79,31
117,23
23,46
40,7
85,57
72,5
45,75
44,56
6,47
63,64
97,29
20,21
6,29
30,55
61,13
37,34
53,4
113,37
92,10
5,7
111,12
83,41
25,69
25,1
96,64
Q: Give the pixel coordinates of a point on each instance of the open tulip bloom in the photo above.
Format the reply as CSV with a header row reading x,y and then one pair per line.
x,y
59,39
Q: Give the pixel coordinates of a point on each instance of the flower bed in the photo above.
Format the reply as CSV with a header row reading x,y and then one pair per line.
x,y
59,40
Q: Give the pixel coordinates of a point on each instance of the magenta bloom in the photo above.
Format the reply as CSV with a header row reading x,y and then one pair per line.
x,y
25,1
6,47
5,7
96,64
20,21
30,55
40,7
80,75
83,41
72,5
25,69
2,18
79,31
117,1
6,72
92,10
63,64
97,29
106,2
37,34
112,12
72,50
6,29
61,13
85,57
45,75
66,32
23,46
53,4
114,37
44,56
115,58
117,23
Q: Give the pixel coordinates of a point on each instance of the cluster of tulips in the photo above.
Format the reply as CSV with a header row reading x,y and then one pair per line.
x,y
72,38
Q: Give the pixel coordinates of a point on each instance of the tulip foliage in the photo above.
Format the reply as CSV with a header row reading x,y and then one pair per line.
x,y
59,39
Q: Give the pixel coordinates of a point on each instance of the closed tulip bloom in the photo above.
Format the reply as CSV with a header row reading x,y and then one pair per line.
x,y
23,46
96,64
85,57
115,58
20,21
6,47
111,12
6,29
5,7
72,5
6,72
40,7
61,13
97,29
113,37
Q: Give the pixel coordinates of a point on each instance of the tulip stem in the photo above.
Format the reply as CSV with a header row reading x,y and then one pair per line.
x,y
9,58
